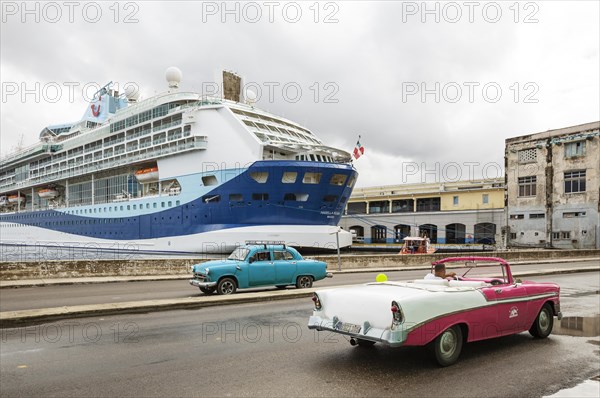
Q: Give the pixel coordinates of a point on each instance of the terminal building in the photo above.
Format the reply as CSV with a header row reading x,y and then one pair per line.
x,y
553,188
460,212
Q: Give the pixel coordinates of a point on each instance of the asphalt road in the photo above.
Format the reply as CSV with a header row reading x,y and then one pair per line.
x,y
265,349
24,298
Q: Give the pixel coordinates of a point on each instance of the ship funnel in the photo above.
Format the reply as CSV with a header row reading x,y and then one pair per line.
x,y
173,76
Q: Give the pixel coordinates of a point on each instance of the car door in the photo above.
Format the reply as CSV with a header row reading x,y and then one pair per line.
x,y
262,270
285,266
512,301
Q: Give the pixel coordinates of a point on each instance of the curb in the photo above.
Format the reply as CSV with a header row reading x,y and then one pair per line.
x,y
11,319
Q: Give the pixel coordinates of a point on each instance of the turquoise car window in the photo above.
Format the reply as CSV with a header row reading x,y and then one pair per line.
x,y
263,256
239,254
289,256
280,255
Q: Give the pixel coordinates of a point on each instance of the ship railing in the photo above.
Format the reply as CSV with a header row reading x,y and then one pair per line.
x,y
102,164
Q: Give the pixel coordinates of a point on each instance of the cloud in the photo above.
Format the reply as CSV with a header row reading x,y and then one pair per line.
x,y
355,73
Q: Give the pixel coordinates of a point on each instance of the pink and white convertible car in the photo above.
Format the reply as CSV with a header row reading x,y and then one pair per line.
x,y
483,301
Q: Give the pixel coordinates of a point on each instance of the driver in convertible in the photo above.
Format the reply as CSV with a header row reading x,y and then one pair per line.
x,y
440,273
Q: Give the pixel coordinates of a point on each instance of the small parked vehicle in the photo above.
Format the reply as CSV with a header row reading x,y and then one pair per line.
x,y
257,264
482,302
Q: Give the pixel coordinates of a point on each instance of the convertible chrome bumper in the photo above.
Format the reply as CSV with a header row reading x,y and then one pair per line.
x,y
393,338
197,283
329,275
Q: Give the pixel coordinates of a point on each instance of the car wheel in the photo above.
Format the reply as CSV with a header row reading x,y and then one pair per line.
x,y
304,282
542,326
365,343
448,345
226,286
207,290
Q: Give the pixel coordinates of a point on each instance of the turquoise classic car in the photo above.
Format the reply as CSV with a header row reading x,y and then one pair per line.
x,y
256,265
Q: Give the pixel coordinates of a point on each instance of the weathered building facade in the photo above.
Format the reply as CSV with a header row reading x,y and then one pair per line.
x,y
553,188
458,212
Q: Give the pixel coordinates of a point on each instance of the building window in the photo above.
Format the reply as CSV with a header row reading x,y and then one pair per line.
x,y
537,215
513,235
562,235
455,200
517,216
527,186
575,181
574,149
486,198
574,214
527,155
428,204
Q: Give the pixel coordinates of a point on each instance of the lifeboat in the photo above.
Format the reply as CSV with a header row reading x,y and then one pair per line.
x,y
48,193
147,175
16,199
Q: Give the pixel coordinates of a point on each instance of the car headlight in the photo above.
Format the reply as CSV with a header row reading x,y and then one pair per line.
x,y
207,270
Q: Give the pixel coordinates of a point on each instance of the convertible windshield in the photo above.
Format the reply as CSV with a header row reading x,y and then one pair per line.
x,y
239,254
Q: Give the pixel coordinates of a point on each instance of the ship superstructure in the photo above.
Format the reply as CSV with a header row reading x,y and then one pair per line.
x,y
175,173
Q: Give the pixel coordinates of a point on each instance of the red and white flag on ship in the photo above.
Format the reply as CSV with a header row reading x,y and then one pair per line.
x,y
359,150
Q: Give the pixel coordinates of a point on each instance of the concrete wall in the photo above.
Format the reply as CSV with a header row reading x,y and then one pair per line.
x,y
95,268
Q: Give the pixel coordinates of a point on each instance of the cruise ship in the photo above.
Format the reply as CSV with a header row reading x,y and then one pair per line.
x,y
177,173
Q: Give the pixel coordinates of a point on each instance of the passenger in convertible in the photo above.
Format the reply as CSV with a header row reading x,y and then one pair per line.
x,y
440,273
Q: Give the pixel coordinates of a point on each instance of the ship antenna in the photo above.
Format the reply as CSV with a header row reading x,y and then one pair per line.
x,y
173,76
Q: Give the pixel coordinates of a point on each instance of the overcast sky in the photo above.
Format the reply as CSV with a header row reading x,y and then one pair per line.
x,y
429,87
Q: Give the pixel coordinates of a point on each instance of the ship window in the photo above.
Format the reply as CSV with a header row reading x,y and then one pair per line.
x,y
121,208
311,178
162,204
236,197
330,198
260,196
352,181
134,207
170,203
297,197
338,179
128,207
289,177
260,176
177,203
209,180
147,205
154,205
